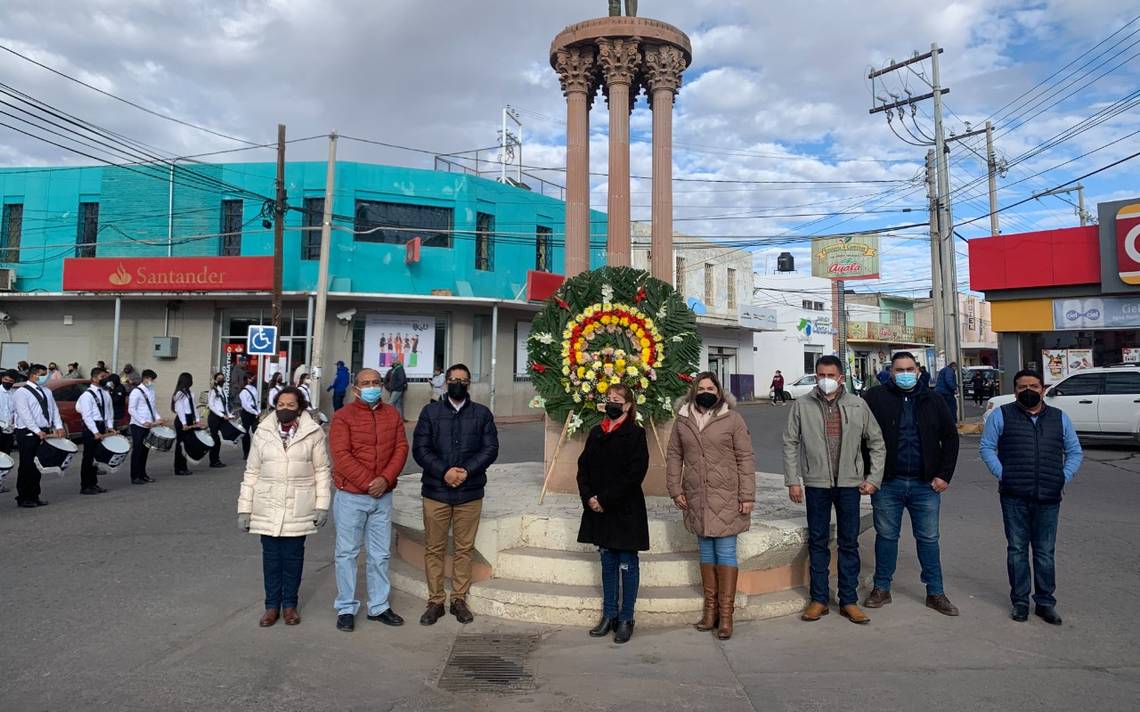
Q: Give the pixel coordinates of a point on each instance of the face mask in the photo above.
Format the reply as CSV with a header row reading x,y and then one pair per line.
x,y
614,410
7,386
219,382
827,386
40,380
906,381
286,416
457,391
1029,399
706,400
371,394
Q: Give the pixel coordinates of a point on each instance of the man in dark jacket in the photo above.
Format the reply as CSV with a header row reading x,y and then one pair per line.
x,y
946,385
455,441
339,385
396,381
922,451
1033,451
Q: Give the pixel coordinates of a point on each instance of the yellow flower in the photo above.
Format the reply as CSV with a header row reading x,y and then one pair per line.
x,y
657,363
565,370
645,356
645,342
619,364
615,380
625,321
641,400
585,387
645,383
566,362
581,371
631,371
577,398
607,319
648,323
603,387
567,334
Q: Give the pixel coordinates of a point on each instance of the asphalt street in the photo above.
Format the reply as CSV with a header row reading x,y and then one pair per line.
x,y
147,598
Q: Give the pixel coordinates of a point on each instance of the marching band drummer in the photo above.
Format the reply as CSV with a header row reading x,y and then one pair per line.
x,y
37,419
303,386
185,419
276,384
143,409
250,410
7,419
98,413
219,404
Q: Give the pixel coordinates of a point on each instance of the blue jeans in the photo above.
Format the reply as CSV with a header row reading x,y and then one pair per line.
x,y
360,518
820,500
282,561
719,550
396,400
922,502
1030,523
626,566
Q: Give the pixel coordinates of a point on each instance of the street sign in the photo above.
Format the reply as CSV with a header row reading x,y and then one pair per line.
x,y
261,341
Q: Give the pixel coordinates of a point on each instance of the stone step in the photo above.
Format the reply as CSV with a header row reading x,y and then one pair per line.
x,y
577,568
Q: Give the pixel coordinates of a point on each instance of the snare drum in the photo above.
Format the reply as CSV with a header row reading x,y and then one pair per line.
x,y
110,452
160,438
54,455
231,431
6,464
197,444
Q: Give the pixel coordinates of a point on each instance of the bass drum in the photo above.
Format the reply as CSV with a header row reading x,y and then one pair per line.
x,y
160,438
6,464
54,456
197,444
231,432
110,453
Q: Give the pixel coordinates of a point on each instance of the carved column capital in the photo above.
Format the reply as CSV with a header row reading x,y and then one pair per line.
x,y
663,68
619,60
577,71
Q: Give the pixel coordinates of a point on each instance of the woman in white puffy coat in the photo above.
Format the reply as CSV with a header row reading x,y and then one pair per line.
x,y
284,497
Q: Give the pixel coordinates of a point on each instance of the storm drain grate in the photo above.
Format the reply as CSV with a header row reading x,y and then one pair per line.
x,y
490,663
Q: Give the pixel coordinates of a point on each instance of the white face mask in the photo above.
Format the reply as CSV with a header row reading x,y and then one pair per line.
x,y
827,386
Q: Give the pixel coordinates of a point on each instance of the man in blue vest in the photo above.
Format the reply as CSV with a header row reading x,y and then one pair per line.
x,y
1033,451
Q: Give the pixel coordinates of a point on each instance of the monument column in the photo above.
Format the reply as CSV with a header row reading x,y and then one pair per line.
x,y
576,72
663,67
619,60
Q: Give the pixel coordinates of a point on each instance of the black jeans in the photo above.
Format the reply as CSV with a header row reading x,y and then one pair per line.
x,y
27,476
215,425
88,475
7,442
338,400
820,500
282,560
139,452
249,422
1031,524
181,431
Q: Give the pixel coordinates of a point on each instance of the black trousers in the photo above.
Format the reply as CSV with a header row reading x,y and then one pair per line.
x,y
180,430
88,475
7,442
27,476
249,422
139,452
215,425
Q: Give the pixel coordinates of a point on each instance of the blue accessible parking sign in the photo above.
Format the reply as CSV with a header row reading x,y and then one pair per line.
x,y
261,341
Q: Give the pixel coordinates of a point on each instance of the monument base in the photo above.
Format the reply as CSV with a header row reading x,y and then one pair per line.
x,y
564,476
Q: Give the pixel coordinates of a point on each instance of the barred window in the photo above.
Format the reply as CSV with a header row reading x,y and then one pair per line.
x,y
398,223
87,230
543,249
11,225
312,219
484,242
231,228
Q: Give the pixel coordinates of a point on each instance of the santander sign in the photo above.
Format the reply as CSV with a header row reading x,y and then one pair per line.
x,y
168,274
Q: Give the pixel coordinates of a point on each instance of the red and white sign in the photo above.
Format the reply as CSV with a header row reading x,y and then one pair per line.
x,y
1128,243
168,274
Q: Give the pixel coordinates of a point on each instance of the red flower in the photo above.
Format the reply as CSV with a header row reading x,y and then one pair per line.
x,y
685,377
641,295
562,303
539,368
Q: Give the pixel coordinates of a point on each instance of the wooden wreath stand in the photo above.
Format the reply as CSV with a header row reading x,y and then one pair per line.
x,y
561,451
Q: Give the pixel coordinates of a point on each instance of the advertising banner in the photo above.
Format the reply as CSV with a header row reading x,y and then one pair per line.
x,y
1054,365
167,274
1096,313
852,257
1079,360
1129,355
409,340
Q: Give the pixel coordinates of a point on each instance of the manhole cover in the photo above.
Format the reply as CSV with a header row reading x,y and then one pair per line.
x,y
490,663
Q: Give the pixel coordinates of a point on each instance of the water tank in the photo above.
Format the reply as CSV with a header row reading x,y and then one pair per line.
x,y
785,262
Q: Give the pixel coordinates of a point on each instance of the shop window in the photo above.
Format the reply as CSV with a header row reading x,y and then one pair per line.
x,y
87,230
1084,384
11,226
731,289
231,225
397,223
484,242
312,218
1122,384
543,249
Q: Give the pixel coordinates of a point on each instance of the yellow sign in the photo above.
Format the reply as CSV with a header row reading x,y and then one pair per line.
x,y
853,257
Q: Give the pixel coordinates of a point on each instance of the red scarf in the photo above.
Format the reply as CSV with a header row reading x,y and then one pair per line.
x,y
608,426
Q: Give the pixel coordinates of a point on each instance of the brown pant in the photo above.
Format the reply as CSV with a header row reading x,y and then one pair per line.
x,y
463,521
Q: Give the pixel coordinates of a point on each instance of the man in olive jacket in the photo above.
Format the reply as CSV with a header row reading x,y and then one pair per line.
x,y
823,452
455,441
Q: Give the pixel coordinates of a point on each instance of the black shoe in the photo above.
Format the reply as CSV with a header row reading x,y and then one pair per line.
x,y
138,481
91,490
182,473
388,617
346,622
623,632
433,613
28,505
604,626
1047,614
461,612
148,478
217,464
1020,613
41,503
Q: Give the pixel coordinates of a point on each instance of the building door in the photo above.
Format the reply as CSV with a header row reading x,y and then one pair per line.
x,y
722,362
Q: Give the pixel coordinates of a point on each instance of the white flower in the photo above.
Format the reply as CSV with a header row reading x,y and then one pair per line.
x,y
677,339
661,312
607,293
537,402
543,337
575,423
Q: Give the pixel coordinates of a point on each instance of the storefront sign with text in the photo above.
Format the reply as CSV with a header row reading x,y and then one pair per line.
x,y
168,274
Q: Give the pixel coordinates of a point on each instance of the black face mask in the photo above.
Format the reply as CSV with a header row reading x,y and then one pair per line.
x,y
286,416
7,386
706,400
457,391
1028,399
219,382
614,410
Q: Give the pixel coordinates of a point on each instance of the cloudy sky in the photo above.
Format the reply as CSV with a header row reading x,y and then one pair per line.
x,y
777,92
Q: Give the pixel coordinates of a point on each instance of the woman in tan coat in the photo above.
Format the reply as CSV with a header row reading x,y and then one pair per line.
x,y
284,497
711,476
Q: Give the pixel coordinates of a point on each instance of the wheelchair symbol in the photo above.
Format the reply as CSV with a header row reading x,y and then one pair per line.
x,y
261,341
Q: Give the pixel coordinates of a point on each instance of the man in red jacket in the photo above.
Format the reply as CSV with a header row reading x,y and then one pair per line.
x,y
369,449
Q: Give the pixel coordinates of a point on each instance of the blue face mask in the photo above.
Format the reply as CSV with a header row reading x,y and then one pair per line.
x,y
371,394
41,379
906,381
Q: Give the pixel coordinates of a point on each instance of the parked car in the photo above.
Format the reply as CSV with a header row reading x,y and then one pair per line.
x,y
804,384
991,384
1102,402
66,392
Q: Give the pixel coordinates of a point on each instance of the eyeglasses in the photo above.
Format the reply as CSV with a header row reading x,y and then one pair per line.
x,y
463,381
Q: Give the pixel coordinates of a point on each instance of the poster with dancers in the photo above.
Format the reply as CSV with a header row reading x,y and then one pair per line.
x,y
411,341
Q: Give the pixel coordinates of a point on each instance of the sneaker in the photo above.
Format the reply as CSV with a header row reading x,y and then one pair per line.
x,y
346,622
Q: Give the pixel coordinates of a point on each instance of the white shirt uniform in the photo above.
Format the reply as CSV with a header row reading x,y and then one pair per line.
x,y
184,409
94,405
248,398
273,393
7,412
219,402
308,395
142,406
30,412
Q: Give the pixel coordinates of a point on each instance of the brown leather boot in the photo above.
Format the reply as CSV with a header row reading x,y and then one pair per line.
x,y
726,599
854,614
814,611
269,617
708,584
291,616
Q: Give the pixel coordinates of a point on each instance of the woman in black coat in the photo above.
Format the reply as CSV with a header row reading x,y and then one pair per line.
x,y
610,472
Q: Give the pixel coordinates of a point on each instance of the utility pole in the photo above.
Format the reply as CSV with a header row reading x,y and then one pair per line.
x,y
935,258
1084,216
279,226
991,164
323,277
841,302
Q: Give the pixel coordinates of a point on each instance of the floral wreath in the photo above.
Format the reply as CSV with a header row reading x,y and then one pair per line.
x,y
609,326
